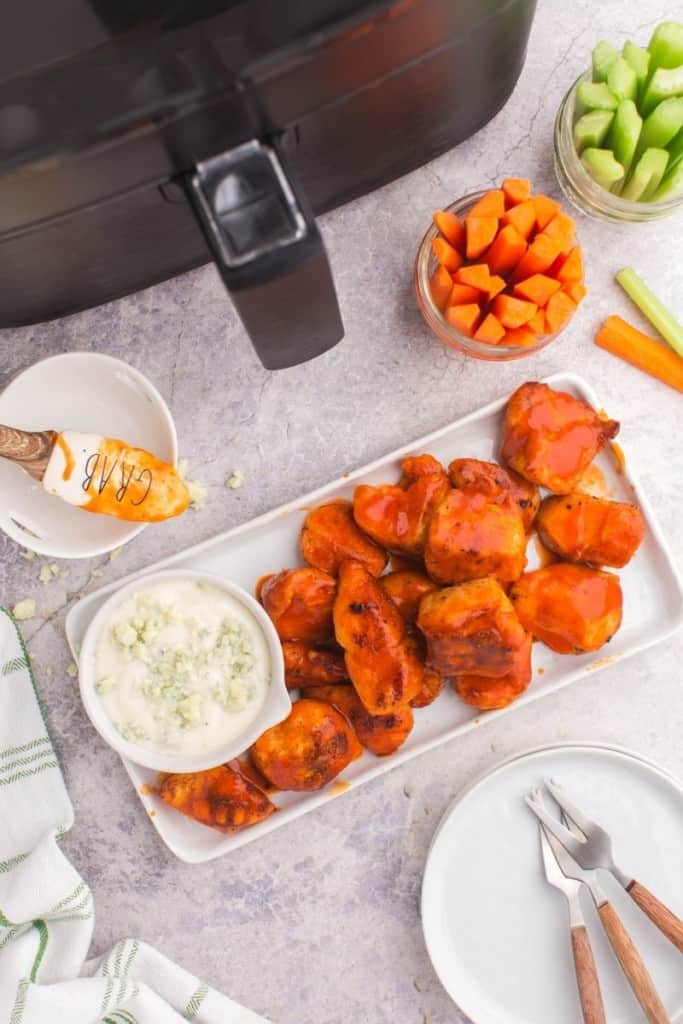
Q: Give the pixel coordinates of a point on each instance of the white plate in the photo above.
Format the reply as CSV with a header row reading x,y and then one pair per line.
x,y
653,609
78,391
498,934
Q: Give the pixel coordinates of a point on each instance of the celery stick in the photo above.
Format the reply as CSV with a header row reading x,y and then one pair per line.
x,y
595,96
672,184
666,46
604,55
655,310
602,167
639,59
647,175
675,148
622,80
665,82
591,129
624,133
663,124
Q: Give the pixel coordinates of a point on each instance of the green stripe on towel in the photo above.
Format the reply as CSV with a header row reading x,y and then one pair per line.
x,y
28,772
10,751
13,665
41,928
192,1008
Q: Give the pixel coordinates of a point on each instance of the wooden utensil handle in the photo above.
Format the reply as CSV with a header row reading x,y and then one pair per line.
x,y
587,977
632,965
667,922
29,448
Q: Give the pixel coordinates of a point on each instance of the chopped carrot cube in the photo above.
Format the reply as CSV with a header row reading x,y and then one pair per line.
x,y
520,337
516,190
575,290
561,227
560,308
463,318
440,285
540,255
546,208
506,251
537,322
513,312
463,295
537,289
492,204
490,330
452,228
571,267
496,285
523,217
477,275
449,257
480,233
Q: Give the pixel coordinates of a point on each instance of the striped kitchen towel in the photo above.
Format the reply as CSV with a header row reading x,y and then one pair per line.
x,y
46,910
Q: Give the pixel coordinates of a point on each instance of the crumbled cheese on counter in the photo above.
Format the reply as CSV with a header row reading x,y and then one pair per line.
x,y
114,554
97,573
28,555
72,669
25,609
48,572
196,489
235,480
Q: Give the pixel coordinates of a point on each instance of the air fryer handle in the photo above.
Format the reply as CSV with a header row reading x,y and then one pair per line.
x,y
269,252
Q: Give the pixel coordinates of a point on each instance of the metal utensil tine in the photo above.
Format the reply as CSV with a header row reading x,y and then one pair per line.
x,y
570,809
559,832
572,826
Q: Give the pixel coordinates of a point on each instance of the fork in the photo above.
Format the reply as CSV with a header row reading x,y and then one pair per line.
x,y
626,953
584,962
593,849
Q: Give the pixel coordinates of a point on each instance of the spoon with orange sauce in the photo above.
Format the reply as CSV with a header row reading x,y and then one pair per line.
x,y
98,474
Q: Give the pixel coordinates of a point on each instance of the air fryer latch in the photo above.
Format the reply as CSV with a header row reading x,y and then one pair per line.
x,y
269,253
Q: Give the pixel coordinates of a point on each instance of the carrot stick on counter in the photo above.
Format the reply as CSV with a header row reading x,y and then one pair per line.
x,y
648,354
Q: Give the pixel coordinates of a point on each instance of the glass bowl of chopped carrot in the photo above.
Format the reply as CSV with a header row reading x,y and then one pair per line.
x,y
499,274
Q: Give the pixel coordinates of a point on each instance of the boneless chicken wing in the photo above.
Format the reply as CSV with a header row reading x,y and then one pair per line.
x,y
380,734
406,589
397,515
309,749
486,693
308,665
223,797
550,438
583,528
497,484
472,629
330,535
471,537
381,662
300,602
571,608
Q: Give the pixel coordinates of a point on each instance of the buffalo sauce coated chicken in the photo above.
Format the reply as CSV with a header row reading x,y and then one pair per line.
x,y
300,602
571,608
380,734
330,535
309,665
406,588
499,485
223,797
310,748
550,438
471,537
583,528
382,663
397,515
487,693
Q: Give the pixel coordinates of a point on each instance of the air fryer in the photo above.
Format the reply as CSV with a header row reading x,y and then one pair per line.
x,y
142,138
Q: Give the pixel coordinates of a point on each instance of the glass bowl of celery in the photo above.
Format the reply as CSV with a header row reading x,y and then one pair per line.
x,y
619,131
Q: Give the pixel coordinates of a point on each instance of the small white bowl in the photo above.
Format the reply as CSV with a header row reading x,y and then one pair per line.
x,y
276,707
84,391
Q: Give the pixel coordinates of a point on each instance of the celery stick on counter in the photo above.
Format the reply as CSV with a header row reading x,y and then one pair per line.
x,y
655,310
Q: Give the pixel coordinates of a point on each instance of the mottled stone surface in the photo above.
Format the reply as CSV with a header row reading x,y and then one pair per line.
x,y
318,923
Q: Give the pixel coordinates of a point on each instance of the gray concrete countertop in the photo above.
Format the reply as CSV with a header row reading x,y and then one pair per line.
x,y
318,923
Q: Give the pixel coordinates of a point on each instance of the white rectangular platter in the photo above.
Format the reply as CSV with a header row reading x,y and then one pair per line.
x,y
653,610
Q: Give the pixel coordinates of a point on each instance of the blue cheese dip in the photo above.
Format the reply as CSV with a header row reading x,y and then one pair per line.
x,y
182,667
